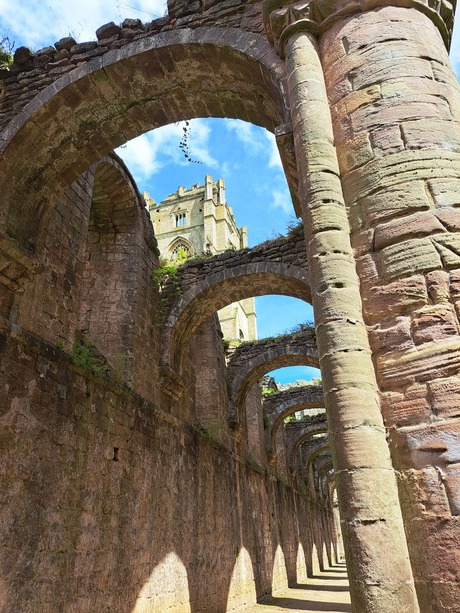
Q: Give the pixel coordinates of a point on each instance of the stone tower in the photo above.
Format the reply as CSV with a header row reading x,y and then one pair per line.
x,y
199,221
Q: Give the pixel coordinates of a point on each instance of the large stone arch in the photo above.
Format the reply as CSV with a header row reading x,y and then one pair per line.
x,y
252,360
217,290
120,251
106,101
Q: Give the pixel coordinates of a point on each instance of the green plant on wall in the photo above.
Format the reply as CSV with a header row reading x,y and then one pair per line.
x,y
6,51
163,275
84,355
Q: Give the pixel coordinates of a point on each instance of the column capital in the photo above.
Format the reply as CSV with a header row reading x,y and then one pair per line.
x,y
283,18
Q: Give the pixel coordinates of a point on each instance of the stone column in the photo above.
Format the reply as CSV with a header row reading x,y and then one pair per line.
x,y
376,550
395,105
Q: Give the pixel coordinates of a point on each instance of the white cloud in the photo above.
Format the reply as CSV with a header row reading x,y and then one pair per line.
x,y
147,154
274,160
255,141
282,200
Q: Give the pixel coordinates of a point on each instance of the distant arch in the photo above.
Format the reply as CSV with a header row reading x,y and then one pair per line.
x,y
309,397
119,237
308,433
246,371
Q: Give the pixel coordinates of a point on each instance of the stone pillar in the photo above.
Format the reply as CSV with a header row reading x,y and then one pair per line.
x,y
376,550
395,104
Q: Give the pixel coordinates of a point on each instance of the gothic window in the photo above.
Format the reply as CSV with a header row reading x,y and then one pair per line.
x,y
181,219
181,251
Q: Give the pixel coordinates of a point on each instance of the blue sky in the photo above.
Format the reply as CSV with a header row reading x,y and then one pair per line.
x,y
244,155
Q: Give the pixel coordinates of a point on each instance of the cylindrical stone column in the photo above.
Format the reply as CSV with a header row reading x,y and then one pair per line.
x,y
376,550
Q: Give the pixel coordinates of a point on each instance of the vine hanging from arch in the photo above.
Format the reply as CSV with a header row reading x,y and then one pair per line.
x,y
184,146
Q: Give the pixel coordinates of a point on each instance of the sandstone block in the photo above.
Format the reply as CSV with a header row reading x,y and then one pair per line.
x,y
344,410
433,322
435,445
444,396
360,448
429,361
392,333
445,192
410,226
365,493
399,199
430,133
107,30
437,282
448,246
386,140
400,171
396,298
362,242
409,257
405,408
342,370
450,218
349,104
355,153
334,303
454,278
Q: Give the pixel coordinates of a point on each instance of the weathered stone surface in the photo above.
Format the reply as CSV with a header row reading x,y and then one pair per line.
x,y
407,407
390,334
445,192
409,257
433,323
395,109
107,31
431,360
394,201
410,226
438,285
445,396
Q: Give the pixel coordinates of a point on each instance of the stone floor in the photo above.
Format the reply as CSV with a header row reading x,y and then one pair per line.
x,y
327,591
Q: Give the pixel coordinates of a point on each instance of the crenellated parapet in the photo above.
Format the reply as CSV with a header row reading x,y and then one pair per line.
x,y
282,18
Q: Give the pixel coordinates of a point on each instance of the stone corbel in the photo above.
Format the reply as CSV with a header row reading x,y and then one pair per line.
x,y
171,383
16,266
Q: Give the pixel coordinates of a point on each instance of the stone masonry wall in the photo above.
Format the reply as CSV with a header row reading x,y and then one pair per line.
x,y
106,495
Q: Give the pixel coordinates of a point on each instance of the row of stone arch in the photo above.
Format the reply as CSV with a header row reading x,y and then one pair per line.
x,y
125,107
113,267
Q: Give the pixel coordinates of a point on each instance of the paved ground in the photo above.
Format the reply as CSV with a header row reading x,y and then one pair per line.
x,y
328,591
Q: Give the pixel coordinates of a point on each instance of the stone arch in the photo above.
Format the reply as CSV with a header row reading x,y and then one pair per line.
x,y
251,369
120,238
218,290
309,397
321,446
101,104
310,431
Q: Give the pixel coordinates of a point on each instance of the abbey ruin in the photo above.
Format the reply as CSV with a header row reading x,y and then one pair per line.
x,y
142,471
